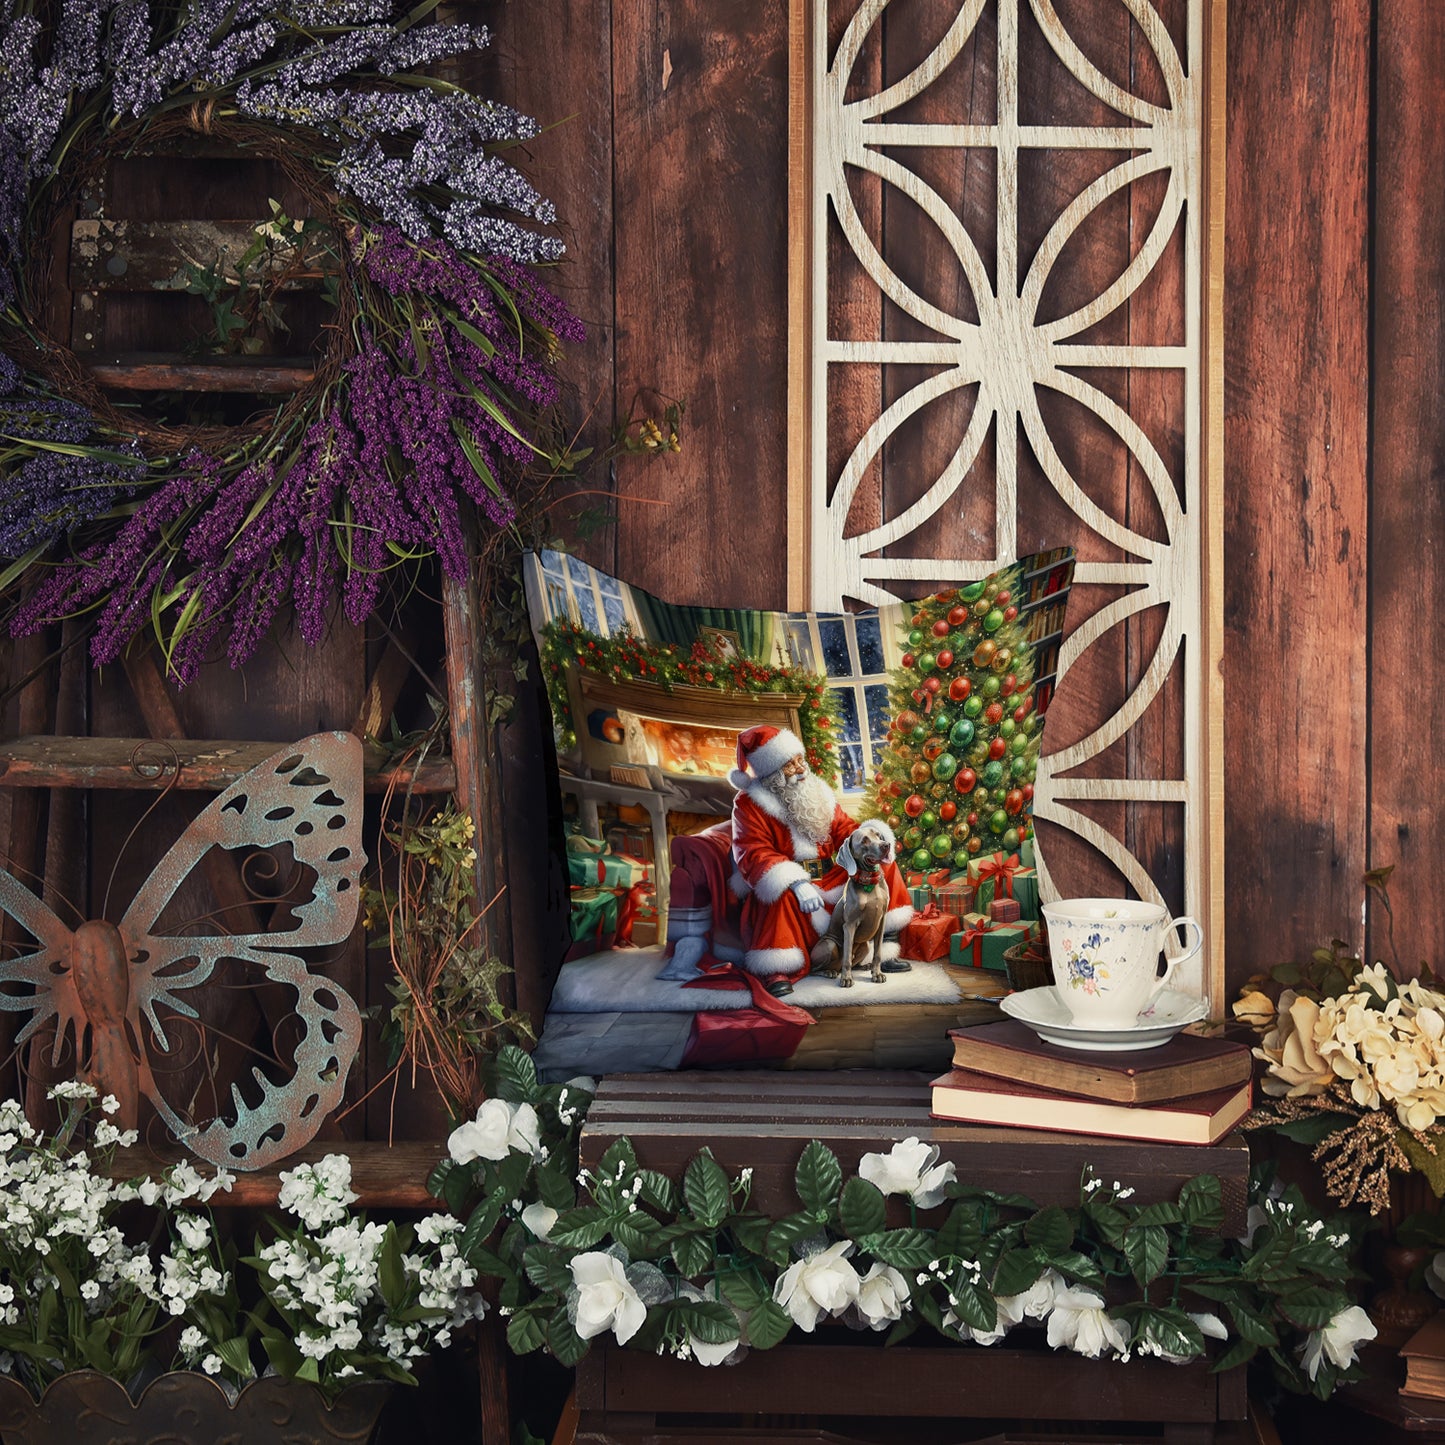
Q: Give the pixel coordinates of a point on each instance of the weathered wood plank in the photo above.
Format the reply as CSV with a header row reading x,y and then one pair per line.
x,y
135,763
1296,496
1407,503
700,140
149,371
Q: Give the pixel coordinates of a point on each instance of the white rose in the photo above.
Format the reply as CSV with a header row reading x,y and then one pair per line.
x,y
882,1296
498,1128
823,1283
1078,1322
909,1168
539,1219
1337,1341
605,1298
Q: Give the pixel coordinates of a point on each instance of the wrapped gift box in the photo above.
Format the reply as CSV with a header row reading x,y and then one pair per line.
x,y
957,896
741,1036
926,938
1003,875
594,914
981,944
926,880
920,895
1005,910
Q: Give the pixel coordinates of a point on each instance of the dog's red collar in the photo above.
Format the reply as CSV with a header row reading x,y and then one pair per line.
x,y
866,882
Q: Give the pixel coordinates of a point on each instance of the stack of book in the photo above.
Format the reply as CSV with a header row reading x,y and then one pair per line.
x,y
1424,1356
1188,1091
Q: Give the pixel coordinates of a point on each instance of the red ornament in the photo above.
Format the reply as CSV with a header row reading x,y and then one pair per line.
x,y
957,616
940,628
993,713
972,820
933,747
945,658
1001,599
1009,613
1014,800
997,748
1022,710
964,780
1028,791
947,809
959,688
931,684
913,805
909,659
919,619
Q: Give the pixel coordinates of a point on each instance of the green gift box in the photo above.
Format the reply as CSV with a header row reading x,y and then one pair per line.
x,y
594,913
921,896
981,944
996,875
1026,890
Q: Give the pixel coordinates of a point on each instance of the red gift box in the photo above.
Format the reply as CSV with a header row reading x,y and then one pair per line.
x,y
1005,910
917,880
741,1036
956,897
926,938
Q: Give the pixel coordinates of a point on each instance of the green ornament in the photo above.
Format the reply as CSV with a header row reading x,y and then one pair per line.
x,y
940,846
961,734
921,860
992,774
957,642
1019,743
915,638
991,686
973,706
927,662
1011,840
1000,794
913,838
927,821
972,592
993,619
961,859
943,722
1007,728
945,765
919,733
999,821
1021,767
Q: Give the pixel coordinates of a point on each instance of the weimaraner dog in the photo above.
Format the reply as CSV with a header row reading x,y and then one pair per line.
x,y
856,928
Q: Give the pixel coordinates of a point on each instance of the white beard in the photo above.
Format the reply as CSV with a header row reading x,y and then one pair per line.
x,y
808,803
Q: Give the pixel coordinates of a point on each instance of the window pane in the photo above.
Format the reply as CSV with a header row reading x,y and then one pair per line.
x,y
878,714
609,586
834,637
581,572
588,608
870,645
850,765
845,715
556,599
614,610
800,646
552,562
878,750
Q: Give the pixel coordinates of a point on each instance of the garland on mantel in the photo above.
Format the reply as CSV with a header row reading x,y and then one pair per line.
x,y
691,1269
427,405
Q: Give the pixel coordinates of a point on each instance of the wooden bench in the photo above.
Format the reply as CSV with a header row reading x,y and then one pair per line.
x,y
852,1390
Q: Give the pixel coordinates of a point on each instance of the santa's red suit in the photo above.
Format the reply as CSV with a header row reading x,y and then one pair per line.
x,y
769,854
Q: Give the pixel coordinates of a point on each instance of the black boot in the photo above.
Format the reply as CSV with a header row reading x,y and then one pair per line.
x,y
780,987
897,965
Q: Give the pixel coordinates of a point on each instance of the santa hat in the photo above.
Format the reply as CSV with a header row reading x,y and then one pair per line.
x,y
762,750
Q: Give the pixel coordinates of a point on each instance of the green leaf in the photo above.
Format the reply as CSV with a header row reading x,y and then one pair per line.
x,y
1239,1353
658,1191
235,1354
1202,1202
1311,1130
1170,1329
436,1180
480,1226
1147,1251
1018,1270
457,1189
742,1288
547,1268
524,1333
391,1273
619,1162
1311,1307
975,1305
751,1232
640,1234
1250,1326
1050,1229
563,1340
1432,1166
818,1178
579,1228
1161,1213
961,1234
904,1248
692,1253
310,1371
768,1325
1079,1267
901,1331
554,1184
1111,1222
710,1321
787,1232
515,1076
705,1189
861,1209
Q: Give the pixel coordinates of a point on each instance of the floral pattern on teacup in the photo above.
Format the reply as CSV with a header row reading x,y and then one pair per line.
x,y
1085,972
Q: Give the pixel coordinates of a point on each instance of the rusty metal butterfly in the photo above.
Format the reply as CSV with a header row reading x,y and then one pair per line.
x,y
114,990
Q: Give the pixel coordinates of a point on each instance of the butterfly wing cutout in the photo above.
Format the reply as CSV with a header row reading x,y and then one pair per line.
x,y
42,975
306,798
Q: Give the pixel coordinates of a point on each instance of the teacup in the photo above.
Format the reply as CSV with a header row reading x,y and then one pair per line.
x,y
1106,957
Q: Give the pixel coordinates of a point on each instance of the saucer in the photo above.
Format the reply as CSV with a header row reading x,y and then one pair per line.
x,y
1044,1012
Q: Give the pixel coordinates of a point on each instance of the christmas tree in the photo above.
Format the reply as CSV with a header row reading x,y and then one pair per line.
x,y
956,778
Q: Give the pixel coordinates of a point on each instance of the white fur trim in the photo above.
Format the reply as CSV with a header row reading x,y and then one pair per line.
x,y
820,918
898,918
889,950
777,880
766,760
802,847
739,780
739,886
765,962
760,795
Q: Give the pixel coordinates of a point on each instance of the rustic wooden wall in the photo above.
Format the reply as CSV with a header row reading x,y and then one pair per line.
x,y
669,164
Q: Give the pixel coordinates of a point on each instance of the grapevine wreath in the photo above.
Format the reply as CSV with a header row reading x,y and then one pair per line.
x,y
426,409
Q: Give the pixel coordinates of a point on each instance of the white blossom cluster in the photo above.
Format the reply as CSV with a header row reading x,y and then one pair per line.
x,y
327,1278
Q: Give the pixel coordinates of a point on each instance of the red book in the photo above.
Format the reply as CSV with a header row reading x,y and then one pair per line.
x,y
1186,1065
973,1098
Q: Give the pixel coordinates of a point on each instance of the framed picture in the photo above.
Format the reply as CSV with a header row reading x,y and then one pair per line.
x,y
723,642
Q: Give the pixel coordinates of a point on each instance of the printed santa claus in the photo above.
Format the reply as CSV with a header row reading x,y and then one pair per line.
x,y
784,818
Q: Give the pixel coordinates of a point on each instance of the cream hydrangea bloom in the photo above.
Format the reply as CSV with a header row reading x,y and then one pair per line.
x,y
1296,1067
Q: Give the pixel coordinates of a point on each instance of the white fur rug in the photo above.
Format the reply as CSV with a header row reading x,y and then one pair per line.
x,y
624,980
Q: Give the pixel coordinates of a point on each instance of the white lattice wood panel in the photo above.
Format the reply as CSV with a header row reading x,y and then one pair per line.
x,y
849,125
